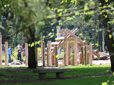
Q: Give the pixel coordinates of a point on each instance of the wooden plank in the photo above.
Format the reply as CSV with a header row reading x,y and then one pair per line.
x,y
64,49
72,45
59,38
49,54
64,32
52,55
85,55
61,32
26,53
0,50
67,53
90,53
81,61
76,30
75,50
85,42
6,53
54,43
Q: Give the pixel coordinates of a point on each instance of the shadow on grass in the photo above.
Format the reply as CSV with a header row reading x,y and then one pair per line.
x,y
26,75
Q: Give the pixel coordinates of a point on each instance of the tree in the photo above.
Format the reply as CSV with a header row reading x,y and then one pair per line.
x,y
108,31
31,13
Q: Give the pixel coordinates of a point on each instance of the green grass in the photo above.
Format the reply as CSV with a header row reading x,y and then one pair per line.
x,y
79,81
74,71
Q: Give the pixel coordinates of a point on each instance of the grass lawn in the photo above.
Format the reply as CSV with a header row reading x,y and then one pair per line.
x,y
22,74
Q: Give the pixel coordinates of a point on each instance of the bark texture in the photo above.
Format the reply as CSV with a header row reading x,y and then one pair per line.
x,y
31,49
108,31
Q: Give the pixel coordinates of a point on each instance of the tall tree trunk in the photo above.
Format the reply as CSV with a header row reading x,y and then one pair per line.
x,y
3,32
109,40
100,41
31,49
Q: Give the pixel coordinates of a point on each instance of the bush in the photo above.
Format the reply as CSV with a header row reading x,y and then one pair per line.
x,y
14,54
3,60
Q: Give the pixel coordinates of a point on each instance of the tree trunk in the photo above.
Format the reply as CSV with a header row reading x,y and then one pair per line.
x,y
100,41
109,41
31,49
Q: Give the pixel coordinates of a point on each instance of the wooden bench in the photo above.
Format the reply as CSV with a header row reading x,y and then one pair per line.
x,y
58,71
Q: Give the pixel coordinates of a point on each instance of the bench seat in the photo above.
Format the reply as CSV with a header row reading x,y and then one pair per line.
x,y
58,71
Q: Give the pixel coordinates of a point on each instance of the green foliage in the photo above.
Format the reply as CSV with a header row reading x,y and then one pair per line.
x,y
1,74
110,36
87,18
14,52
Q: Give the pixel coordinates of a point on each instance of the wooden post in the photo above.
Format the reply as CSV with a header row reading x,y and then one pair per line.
x,y
36,57
47,56
75,50
53,63
90,53
26,53
72,44
67,53
43,54
53,57
49,63
64,48
6,53
81,61
0,50
56,59
85,55
87,58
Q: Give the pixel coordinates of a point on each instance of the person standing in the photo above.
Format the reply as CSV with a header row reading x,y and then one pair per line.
x,y
19,54
9,53
24,51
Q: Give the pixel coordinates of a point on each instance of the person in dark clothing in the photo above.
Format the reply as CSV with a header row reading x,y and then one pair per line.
x,y
24,51
106,49
3,48
19,54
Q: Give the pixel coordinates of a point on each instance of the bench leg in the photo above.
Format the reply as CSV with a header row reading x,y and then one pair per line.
x,y
59,75
42,75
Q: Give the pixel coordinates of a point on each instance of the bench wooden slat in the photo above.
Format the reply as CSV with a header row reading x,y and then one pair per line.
x,y
50,70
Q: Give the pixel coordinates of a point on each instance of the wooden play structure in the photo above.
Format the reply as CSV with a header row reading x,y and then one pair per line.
x,y
71,43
